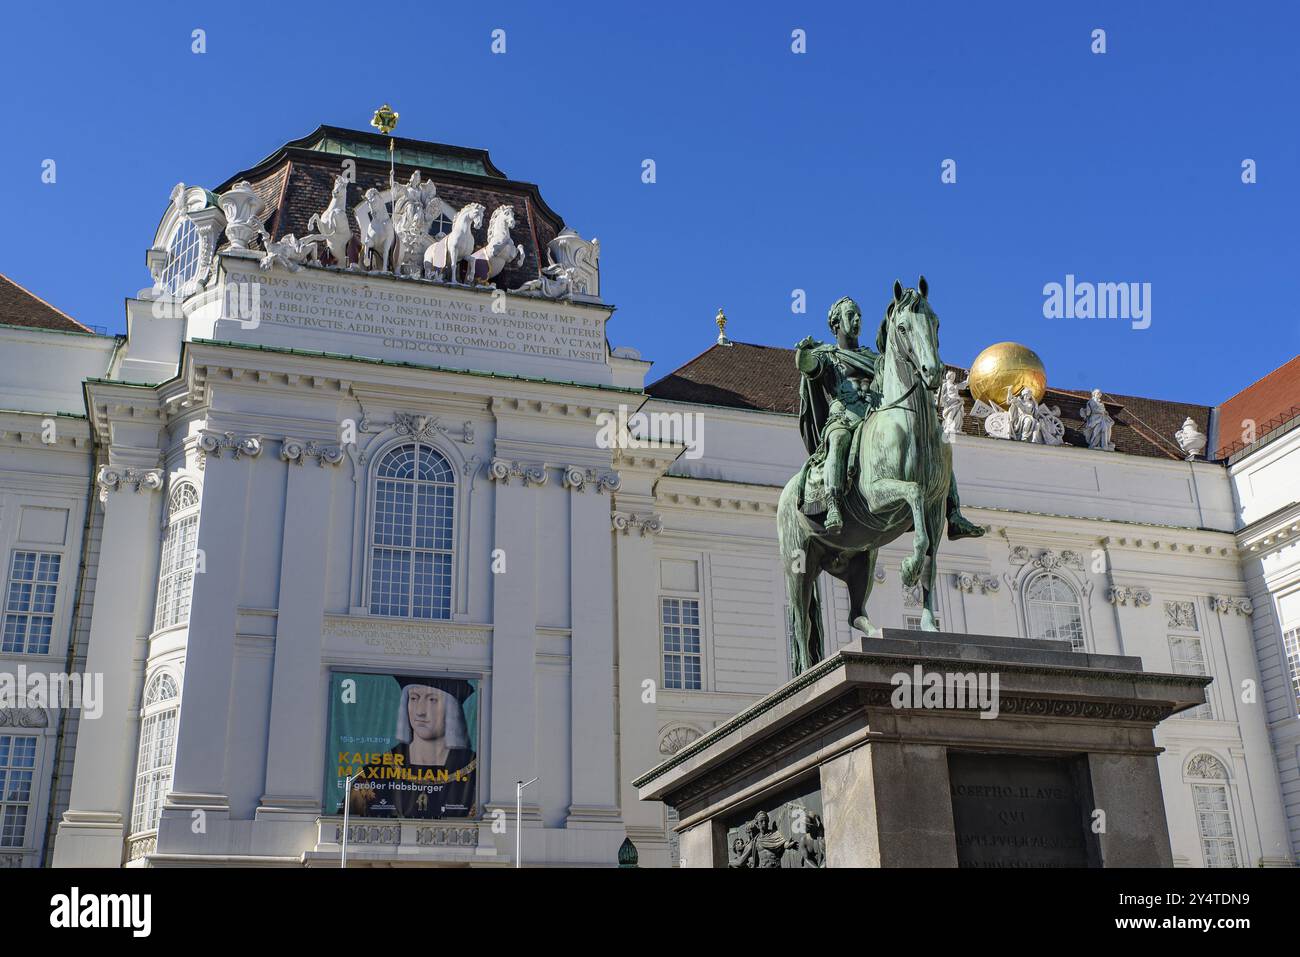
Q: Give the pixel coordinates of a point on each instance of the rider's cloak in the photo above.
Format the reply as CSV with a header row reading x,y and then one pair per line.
x,y
814,403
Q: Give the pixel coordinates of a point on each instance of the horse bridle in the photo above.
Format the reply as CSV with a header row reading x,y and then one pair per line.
x,y
916,374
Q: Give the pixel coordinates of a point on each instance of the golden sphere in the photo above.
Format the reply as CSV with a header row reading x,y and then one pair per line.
x,y
1006,365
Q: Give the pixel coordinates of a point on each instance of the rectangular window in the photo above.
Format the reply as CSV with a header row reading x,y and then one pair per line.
x,y
1215,825
17,766
683,659
176,580
1291,646
29,604
1188,656
913,623
154,771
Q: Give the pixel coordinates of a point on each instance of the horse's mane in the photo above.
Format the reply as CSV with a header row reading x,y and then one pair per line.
x,y
497,225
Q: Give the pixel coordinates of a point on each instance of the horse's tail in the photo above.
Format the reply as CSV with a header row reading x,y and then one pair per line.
x,y
313,224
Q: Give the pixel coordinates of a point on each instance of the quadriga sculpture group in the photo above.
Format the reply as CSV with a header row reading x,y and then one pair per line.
x,y
408,230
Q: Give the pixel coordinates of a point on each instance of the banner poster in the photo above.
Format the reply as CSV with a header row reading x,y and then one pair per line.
x,y
412,741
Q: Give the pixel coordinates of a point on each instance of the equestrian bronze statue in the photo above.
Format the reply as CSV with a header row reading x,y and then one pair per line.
x,y
878,465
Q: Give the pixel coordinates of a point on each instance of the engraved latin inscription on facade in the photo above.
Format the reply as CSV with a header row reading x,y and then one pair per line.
x,y
425,322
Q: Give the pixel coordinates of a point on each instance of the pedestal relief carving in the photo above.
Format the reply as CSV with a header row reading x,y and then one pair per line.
x,y
112,478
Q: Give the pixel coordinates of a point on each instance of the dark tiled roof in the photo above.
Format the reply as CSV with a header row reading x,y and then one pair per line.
x,y
18,307
296,182
764,378
740,375
1268,403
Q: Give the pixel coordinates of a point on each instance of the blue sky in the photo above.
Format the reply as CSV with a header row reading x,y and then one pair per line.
x,y
776,171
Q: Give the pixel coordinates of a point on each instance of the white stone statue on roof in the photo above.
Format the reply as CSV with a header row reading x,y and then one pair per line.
x,y
1097,423
951,405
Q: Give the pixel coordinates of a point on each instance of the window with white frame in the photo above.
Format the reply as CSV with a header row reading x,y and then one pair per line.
x,y
411,533
182,256
176,569
153,777
682,653
1052,610
29,602
1213,812
1291,646
913,623
1188,656
17,767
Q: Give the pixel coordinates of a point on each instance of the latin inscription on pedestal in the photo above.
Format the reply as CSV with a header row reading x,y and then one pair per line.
x,y
1018,811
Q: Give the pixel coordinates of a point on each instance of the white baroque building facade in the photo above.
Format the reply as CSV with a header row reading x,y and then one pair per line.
x,y
294,476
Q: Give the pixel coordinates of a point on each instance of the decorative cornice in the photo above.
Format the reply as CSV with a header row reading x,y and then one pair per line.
x,y
111,478
530,473
733,502
577,478
217,443
296,451
970,582
545,407
1227,604
1135,595
648,523
1165,544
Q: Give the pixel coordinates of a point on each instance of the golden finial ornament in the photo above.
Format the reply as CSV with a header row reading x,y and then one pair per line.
x,y
384,120
1007,365
721,321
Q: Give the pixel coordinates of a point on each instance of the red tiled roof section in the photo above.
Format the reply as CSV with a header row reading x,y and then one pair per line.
x,y
764,378
742,376
18,307
1268,403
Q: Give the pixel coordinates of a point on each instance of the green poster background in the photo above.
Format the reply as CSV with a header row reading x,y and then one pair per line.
x,y
368,725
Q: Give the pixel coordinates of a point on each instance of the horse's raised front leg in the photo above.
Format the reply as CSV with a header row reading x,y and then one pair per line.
x,y
859,579
883,492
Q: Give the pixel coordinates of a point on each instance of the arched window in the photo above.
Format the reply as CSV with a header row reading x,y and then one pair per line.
x,y
1052,610
176,570
182,256
411,533
1213,813
153,775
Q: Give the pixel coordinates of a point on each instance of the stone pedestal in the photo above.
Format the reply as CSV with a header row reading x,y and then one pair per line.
x,y
935,750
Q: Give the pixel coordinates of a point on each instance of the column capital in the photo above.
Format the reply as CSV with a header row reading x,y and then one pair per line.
x,y
116,478
296,451
578,478
238,445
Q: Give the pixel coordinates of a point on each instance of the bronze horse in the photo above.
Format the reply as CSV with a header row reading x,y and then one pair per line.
x,y
904,468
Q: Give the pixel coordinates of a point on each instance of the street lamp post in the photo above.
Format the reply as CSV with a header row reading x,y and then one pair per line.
x,y
347,794
519,813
